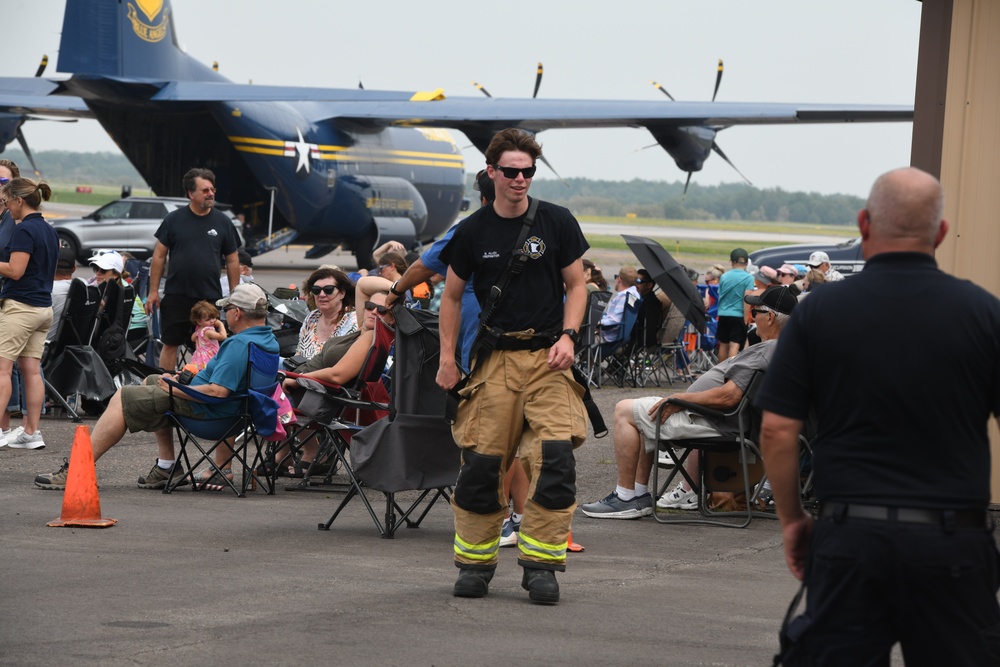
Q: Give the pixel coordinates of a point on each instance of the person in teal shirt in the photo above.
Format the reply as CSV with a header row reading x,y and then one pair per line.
x,y
732,330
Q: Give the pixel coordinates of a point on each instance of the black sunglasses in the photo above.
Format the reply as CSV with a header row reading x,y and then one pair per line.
x,y
381,310
754,312
325,289
512,172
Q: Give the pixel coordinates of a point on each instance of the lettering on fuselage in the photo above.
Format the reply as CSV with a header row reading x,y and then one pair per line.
x,y
384,203
145,31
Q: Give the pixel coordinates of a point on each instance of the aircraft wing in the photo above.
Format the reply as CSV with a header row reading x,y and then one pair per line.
x,y
22,96
433,109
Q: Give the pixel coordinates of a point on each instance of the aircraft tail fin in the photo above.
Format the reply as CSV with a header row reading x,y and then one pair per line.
x,y
126,38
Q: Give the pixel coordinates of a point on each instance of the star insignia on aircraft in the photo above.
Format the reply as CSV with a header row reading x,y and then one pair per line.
x,y
304,150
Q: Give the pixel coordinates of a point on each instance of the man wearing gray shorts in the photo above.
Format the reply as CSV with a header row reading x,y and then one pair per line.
x,y
721,388
143,408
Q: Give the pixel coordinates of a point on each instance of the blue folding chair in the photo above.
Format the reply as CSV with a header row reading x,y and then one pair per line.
x,y
616,355
255,417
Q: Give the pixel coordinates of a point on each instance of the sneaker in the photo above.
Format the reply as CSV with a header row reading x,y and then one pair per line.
x,y
54,480
613,507
665,460
508,534
18,439
678,499
157,478
3,437
645,503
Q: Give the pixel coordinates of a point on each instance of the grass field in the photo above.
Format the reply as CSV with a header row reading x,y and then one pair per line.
x,y
100,195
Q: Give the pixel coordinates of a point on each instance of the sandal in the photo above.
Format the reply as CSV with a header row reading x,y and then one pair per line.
x,y
299,470
215,481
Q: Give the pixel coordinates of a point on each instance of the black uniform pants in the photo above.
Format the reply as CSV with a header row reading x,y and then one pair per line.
x,y
871,584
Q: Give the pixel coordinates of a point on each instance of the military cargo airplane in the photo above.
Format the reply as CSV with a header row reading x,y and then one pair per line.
x,y
329,166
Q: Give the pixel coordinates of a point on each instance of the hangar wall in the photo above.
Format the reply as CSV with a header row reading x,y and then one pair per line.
x,y
957,136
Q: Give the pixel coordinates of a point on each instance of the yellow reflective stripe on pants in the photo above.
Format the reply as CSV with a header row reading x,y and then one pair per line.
x,y
541,551
484,551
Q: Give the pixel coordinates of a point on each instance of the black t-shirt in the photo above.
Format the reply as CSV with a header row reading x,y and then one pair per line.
x,y
197,245
902,367
482,245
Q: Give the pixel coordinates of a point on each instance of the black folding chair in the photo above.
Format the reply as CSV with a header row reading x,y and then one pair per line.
x,y
70,365
412,449
588,354
726,462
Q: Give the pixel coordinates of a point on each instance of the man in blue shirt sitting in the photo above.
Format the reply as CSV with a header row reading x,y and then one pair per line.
x,y
144,407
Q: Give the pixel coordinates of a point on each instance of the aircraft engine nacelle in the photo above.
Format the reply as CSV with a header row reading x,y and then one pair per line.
x,y
396,207
689,146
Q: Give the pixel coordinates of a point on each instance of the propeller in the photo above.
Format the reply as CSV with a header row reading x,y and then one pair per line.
x,y
27,153
19,134
663,90
715,145
538,82
718,80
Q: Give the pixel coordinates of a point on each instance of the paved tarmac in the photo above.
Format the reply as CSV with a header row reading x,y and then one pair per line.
x,y
209,578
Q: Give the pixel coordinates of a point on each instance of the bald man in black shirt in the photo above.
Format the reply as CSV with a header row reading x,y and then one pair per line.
x,y
903,549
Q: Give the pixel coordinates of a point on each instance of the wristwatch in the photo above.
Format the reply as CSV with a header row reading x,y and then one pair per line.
x,y
573,334
392,288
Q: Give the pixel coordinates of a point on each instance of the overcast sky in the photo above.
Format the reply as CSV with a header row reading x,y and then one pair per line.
x,y
850,52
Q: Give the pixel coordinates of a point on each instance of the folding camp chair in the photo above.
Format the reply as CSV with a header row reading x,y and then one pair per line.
x,y
615,356
242,432
588,355
413,448
330,414
726,463
71,367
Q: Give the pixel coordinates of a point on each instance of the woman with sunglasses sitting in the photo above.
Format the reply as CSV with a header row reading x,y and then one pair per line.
x,y
330,296
341,360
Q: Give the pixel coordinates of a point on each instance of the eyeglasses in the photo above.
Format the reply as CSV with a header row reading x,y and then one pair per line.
x,y
511,173
208,191
228,308
381,310
4,181
98,269
755,312
325,289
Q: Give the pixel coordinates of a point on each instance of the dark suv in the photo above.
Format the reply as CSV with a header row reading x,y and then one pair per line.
x,y
844,257
125,225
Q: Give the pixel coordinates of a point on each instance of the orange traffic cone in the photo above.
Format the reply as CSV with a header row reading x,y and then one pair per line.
x,y
573,546
81,502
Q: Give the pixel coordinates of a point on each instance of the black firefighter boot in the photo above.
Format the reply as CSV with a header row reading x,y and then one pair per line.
x,y
541,585
473,582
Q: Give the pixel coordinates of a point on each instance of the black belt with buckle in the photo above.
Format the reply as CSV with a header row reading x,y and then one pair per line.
x,y
925,517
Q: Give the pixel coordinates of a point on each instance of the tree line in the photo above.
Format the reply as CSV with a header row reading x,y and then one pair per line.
x,y
583,196
727,201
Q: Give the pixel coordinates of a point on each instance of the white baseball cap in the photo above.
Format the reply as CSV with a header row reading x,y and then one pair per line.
x,y
817,258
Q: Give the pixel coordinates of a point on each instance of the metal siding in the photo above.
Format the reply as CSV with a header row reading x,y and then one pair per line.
x,y
970,163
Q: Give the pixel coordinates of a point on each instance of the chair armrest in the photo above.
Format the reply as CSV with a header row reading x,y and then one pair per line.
x,y
198,396
695,408
299,376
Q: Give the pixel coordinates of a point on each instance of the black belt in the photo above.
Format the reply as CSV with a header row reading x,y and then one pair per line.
x,y
926,517
533,344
